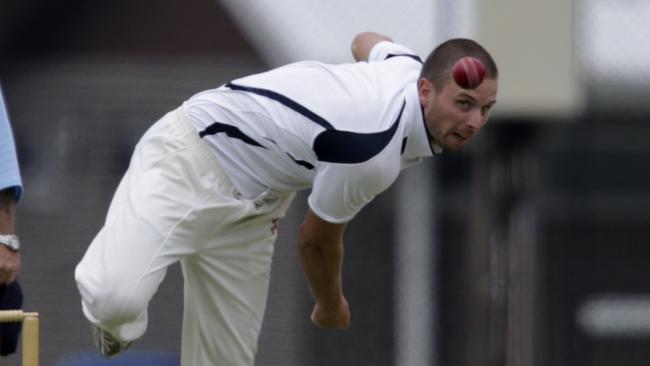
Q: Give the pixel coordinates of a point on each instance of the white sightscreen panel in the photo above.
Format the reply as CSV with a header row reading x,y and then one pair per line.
x,y
291,30
616,40
533,43
615,48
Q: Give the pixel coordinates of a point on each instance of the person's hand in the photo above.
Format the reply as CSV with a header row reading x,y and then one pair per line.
x,y
9,265
336,316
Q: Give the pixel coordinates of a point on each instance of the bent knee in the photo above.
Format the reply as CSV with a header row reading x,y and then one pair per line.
x,y
109,300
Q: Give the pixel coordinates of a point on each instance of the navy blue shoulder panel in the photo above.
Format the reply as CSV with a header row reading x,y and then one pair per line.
x,y
347,147
416,58
287,102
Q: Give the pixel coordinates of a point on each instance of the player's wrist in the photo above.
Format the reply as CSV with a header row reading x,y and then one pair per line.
x,y
10,241
331,304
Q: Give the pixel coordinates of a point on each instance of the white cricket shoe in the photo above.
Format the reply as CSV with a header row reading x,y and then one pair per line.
x,y
106,344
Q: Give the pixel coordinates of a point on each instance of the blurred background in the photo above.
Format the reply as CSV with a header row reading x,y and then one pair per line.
x,y
530,247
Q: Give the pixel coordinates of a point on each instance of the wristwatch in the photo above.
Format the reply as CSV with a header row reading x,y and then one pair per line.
x,y
10,241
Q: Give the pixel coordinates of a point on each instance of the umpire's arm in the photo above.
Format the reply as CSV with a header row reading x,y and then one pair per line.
x,y
363,43
321,255
9,260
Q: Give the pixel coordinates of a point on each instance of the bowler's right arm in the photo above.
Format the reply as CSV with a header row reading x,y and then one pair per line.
x,y
321,255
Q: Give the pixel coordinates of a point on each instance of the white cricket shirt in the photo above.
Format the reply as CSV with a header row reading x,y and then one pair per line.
x,y
345,130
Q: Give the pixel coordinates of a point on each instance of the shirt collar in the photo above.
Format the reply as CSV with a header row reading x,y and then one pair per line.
x,y
418,143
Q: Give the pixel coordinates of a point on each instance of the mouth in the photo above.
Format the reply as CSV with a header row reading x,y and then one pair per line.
x,y
461,137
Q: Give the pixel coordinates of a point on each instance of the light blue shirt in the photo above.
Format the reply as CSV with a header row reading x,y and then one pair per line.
x,y
9,171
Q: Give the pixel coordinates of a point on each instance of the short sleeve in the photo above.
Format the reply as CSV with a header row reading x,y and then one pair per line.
x,y
340,191
385,50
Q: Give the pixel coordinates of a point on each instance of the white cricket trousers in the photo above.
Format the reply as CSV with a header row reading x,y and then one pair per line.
x,y
176,204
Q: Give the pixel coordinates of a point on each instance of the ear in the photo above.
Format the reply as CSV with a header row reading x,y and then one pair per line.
x,y
425,91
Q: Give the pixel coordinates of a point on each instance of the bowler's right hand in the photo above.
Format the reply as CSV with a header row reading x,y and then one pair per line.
x,y
335,316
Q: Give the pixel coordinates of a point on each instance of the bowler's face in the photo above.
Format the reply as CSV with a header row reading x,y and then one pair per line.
x,y
454,114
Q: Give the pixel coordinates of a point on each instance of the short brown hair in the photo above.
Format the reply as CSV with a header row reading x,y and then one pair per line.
x,y
437,67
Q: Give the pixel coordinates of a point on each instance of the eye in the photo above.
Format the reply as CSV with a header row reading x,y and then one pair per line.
x,y
463,104
486,109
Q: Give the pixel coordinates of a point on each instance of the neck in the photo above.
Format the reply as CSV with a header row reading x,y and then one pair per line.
x,y
435,146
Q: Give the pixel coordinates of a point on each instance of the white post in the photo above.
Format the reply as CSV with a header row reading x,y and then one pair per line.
x,y
414,285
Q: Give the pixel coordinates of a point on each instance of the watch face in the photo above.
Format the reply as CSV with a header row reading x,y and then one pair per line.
x,y
11,241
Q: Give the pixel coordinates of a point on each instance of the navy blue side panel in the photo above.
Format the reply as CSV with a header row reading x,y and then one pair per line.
x,y
306,164
230,131
285,101
416,58
350,147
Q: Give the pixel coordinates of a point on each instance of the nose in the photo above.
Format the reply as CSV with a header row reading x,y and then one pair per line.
x,y
475,121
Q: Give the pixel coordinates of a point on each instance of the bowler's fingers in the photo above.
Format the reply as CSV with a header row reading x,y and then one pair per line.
x,y
337,318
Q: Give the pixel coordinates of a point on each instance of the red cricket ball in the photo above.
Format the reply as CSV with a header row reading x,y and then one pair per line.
x,y
468,72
